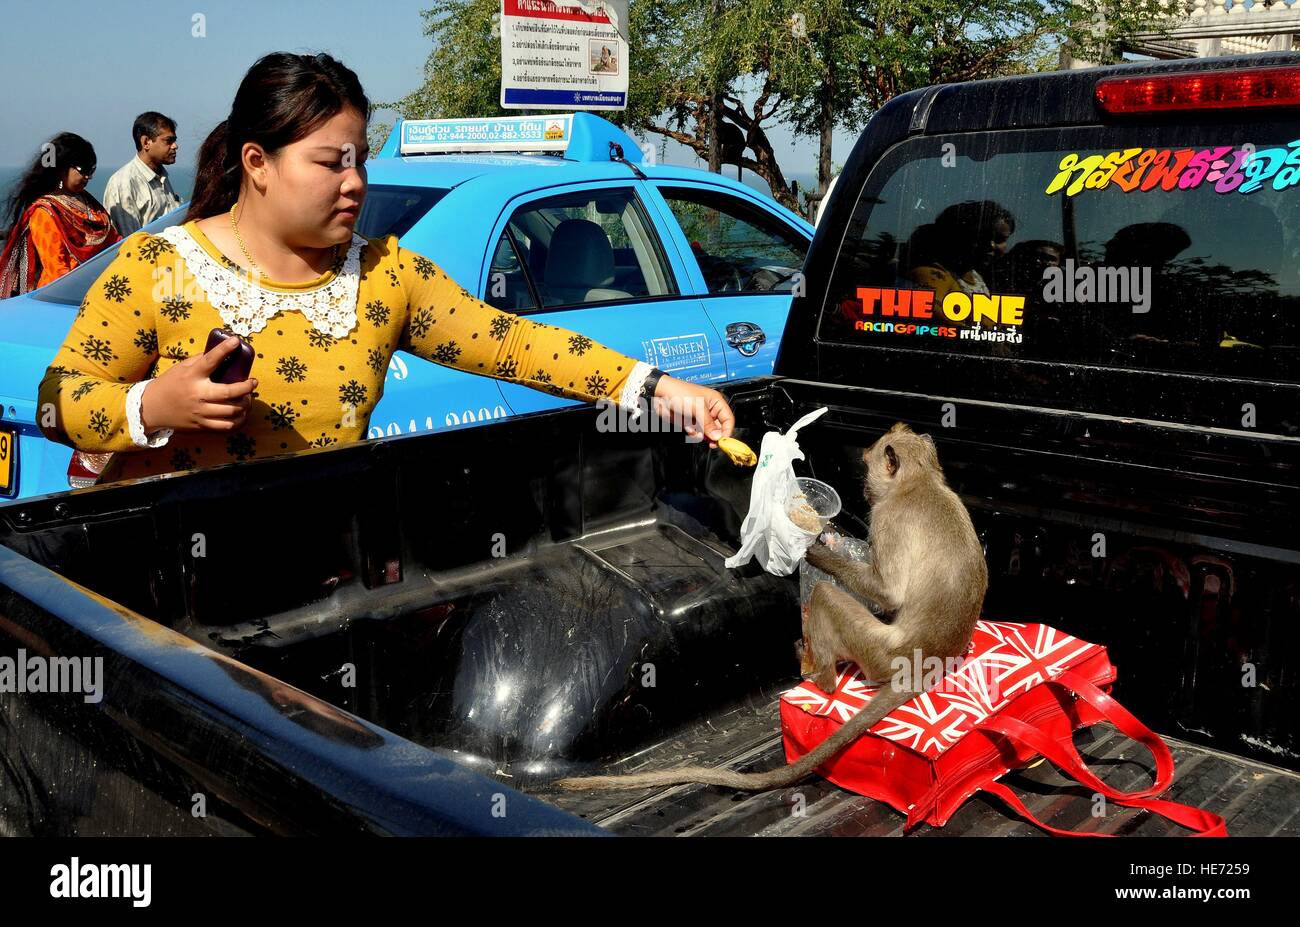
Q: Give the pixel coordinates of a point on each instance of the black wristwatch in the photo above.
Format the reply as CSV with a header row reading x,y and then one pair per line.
x,y
651,382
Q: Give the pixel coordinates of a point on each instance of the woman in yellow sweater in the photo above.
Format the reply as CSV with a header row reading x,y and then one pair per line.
x,y
268,252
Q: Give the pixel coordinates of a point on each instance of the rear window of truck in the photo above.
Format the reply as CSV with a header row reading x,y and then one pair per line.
x,y
1155,247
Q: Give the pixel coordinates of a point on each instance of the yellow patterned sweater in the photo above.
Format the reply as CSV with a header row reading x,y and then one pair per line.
x,y
322,349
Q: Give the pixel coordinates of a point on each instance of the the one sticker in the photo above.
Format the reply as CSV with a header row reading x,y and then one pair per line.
x,y
959,315
1227,168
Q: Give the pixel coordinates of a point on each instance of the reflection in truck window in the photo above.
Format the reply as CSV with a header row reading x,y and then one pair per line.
x,y
1175,277
957,251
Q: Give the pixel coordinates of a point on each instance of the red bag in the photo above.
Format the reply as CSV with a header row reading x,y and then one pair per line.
x,y
1021,691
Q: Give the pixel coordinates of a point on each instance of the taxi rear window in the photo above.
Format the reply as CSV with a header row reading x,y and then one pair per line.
x,y
1162,247
393,210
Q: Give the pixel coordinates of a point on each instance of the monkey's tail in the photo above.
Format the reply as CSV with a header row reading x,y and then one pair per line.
x,y
828,749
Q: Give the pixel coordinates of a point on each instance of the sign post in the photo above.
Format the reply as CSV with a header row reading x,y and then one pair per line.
x,y
564,54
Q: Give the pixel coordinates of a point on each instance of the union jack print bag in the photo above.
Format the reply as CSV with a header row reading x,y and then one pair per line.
x,y
1021,692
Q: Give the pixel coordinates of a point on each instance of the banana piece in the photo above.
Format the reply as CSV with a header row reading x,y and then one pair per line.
x,y
738,452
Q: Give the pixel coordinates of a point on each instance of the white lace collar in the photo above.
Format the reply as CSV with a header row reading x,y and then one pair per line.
x,y
246,307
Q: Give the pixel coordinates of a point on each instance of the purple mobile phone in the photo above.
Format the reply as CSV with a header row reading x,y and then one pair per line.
x,y
235,366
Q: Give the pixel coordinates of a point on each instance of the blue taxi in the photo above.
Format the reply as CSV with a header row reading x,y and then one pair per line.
x,y
558,216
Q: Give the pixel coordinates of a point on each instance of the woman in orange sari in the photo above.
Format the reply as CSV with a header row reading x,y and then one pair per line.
x,y
55,223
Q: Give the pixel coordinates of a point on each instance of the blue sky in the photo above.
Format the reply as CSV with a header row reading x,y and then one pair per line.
x,y
91,67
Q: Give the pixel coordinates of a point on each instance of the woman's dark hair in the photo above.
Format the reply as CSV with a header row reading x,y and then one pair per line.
x,y
983,214
67,149
282,98
961,230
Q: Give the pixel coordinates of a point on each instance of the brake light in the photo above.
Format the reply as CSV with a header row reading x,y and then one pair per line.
x,y
84,469
1251,87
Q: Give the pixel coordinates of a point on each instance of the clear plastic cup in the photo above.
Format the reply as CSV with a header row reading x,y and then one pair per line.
x,y
810,504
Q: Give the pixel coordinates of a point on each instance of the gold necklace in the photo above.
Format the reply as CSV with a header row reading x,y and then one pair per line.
x,y
234,227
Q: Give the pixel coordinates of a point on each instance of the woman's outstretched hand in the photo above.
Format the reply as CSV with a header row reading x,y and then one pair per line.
x,y
701,411
185,398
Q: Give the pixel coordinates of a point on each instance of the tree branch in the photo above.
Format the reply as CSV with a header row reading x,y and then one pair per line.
x,y
693,142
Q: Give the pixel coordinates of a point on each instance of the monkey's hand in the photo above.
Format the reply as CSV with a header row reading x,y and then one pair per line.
x,y
824,559
831,538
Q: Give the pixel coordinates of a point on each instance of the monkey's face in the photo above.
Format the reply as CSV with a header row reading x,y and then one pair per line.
x,y
897,454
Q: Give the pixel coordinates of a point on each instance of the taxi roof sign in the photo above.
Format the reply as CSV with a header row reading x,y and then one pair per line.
x,y
578,136
508,133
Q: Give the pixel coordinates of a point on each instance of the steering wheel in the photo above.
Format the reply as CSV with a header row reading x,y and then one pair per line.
x,y
719,270
737,282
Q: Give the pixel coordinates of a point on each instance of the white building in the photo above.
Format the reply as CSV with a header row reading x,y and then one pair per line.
x,y
1220,27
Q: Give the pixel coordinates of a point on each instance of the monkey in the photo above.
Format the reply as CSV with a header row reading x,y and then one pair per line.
x,y
927,572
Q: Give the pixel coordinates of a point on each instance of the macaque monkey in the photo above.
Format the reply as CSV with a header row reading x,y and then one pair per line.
x,y
927,571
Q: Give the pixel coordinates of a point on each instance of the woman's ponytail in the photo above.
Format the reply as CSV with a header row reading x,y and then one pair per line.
x,y
216,183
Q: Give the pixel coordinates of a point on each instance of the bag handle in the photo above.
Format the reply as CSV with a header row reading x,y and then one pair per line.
x,y
1204,823
1126,723
1066,757
1063,752
806,420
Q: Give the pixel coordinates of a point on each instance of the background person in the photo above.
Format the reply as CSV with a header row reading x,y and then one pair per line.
x,y
140,191
55,224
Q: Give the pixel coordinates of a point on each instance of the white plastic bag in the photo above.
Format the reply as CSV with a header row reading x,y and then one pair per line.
x,y
767,533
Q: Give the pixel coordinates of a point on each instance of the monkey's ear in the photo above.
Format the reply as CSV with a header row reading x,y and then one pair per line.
x,y
891,460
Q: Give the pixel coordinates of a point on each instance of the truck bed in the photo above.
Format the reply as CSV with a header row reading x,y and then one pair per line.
x,y
1255,799
391,672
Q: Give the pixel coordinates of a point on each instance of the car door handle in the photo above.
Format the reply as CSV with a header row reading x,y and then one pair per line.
x,y
745,337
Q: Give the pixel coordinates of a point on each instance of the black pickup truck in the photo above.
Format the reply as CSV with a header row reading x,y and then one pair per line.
x,y
1085,285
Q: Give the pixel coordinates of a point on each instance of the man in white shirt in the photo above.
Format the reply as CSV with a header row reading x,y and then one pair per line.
x,y
140,191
